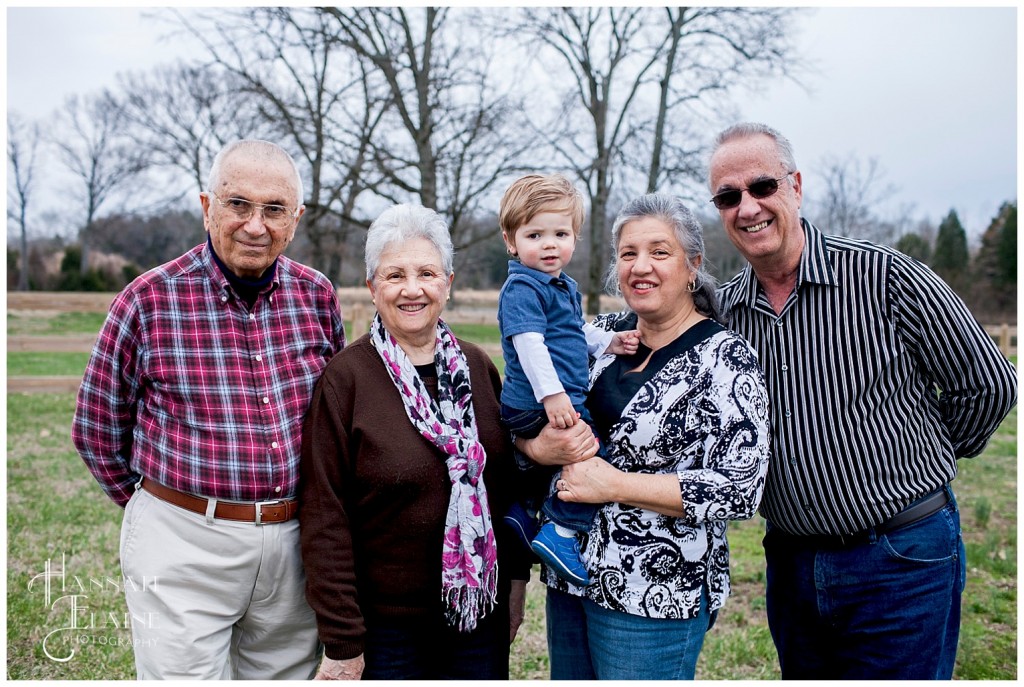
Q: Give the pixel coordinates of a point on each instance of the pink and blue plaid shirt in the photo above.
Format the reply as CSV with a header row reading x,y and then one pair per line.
x,y
186,387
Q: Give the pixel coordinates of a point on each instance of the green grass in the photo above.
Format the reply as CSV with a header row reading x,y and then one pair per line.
x,y
26,363
61,323
54,507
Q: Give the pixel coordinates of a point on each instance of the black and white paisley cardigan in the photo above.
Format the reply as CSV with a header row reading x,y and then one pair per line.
x,y
703,417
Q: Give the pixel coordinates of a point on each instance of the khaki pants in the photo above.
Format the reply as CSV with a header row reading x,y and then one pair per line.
x,y
215,599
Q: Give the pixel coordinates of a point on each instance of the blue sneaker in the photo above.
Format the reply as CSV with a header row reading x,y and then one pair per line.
x,y
561,554
525,527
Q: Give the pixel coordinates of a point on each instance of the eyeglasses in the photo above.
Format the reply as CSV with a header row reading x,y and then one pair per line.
x,y
274,216
762,188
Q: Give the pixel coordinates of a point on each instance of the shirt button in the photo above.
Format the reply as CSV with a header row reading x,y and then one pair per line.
x,y
252,316
778,323
789,413
784,366
223,299
792,461
259,357
273,444
277,490
266,399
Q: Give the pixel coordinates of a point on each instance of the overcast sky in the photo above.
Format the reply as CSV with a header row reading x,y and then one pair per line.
x,y
930,92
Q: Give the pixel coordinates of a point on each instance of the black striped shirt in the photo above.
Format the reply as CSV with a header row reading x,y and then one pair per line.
x,y
854,365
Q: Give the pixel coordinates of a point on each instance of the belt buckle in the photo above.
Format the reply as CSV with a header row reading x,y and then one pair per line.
x,y
259,509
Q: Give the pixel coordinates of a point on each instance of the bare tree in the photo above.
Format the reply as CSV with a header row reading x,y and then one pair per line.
x,y
22,147
93,146
185,113
854,189
314,98
457,141
708,52
610,58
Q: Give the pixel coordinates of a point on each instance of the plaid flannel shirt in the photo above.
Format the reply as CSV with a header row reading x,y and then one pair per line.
x,y
186,387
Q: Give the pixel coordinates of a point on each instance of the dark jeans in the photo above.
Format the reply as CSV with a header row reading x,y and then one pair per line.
x,y
536,480
885,609
416,648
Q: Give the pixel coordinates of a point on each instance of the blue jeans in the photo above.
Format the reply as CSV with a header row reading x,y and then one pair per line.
x,y
537,482
590,642
415,648
885,609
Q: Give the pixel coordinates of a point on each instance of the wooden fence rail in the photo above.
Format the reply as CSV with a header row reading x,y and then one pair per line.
x,y
467,307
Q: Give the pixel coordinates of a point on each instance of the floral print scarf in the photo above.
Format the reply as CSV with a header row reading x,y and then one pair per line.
x,y
469,564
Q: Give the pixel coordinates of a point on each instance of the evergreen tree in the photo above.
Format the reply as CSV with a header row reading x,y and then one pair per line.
x,y
914,245
950,258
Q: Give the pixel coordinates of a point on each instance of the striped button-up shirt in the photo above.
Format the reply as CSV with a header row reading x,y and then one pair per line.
x,y
879,378
189,388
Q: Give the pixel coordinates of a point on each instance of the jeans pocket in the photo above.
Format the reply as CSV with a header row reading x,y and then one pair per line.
x,y
931,540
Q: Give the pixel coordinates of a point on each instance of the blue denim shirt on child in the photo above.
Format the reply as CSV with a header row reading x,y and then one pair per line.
x,y
533,301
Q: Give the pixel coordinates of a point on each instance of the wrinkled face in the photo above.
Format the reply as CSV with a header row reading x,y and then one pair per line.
x,y
545,243
249,247
652,270
410,289
765,230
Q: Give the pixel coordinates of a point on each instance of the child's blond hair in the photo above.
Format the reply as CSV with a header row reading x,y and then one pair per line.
x,y
535,193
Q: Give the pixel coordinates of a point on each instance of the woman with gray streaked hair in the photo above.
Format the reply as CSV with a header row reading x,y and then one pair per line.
x,y
404,463
684,423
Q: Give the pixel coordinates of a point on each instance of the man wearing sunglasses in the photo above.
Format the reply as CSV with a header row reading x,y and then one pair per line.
x,y
879,380
190,417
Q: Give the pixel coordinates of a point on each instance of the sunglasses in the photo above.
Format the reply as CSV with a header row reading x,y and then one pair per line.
x,y
759,189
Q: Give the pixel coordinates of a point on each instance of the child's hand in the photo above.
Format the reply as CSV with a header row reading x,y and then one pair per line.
x,y
560,412
625,343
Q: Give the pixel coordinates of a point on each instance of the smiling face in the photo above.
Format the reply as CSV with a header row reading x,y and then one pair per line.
x,y
546,242
652,270
248,248
409,289
767,230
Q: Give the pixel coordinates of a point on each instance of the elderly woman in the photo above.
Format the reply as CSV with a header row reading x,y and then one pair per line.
x,y
685,425
404,463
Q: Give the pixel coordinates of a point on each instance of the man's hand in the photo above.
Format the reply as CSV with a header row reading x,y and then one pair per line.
x,y
625,343
555,446
516,608
341,669
560,412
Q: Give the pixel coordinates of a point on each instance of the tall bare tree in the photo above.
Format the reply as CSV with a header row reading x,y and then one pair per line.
x,y
708,52
631,72
610,58
22,147
854,192
457,141
93,145
185,113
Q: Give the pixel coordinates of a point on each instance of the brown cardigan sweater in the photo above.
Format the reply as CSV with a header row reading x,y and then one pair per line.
x,y
374,495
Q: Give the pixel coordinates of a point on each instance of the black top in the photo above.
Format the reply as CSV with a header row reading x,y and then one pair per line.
x,y
617,385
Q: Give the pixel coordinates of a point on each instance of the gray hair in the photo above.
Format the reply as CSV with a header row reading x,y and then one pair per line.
x,y
400,223
690,235
259,149
748,129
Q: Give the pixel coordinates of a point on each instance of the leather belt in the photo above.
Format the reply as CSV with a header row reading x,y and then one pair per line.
x,y
916,511
259,512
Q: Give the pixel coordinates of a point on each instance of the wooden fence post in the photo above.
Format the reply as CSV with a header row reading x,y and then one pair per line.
x,y
360,316
1004,339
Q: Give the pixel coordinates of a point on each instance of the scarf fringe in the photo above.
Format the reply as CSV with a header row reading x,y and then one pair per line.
x,y
466,606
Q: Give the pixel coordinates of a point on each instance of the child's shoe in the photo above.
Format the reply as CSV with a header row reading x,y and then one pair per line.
x,y
561,554
520,521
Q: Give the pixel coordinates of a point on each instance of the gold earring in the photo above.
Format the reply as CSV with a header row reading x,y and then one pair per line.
x,y
692,286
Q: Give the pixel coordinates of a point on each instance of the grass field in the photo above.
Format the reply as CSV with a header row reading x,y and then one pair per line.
x,y
57,513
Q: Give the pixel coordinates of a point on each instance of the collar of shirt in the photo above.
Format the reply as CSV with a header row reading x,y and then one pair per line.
x,y
815,268
516,267
230,283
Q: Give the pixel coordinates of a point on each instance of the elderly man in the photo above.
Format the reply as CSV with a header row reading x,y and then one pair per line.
x,y
190,416
879,379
